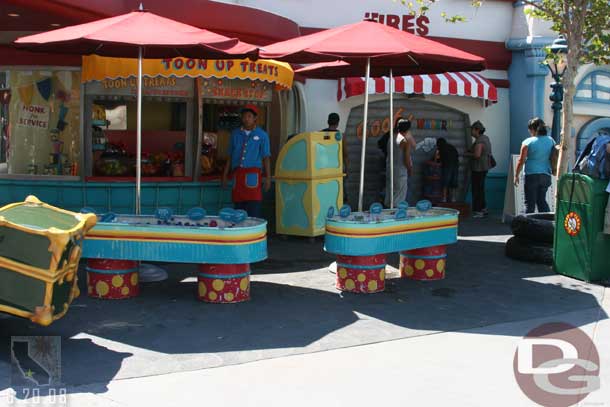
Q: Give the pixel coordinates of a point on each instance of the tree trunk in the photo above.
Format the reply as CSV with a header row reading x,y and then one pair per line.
x,y
568,144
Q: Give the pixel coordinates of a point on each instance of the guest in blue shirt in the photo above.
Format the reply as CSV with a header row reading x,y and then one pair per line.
x,y
536,155
249,151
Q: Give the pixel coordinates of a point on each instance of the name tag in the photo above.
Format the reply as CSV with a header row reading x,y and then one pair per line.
x,y
256,138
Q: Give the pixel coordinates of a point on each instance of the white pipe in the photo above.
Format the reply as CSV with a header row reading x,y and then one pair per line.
x,y
392,140
364,128
139,135
199,138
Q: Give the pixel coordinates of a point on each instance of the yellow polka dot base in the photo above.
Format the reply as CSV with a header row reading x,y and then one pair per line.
x,y
361,274
424,264
223,283
112,279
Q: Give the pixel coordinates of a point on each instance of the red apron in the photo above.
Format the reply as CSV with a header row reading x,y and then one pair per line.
x,y
247,185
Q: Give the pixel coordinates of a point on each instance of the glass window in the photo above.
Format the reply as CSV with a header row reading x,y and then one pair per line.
x,y
117,117
603,95
43,133
114,137
595,87
603,80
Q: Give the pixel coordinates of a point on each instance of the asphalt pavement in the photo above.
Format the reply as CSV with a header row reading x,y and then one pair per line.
x,y
300,341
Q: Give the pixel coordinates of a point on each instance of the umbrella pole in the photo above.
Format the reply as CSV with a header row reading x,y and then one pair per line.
x,y
139,136
392,140
364,128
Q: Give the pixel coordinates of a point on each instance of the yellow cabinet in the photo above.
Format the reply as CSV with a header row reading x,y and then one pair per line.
x,y
309,180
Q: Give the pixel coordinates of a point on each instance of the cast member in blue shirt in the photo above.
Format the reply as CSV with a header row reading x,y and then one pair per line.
x,y
249,151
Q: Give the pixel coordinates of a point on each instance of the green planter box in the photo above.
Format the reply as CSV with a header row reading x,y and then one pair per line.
x,y
582,250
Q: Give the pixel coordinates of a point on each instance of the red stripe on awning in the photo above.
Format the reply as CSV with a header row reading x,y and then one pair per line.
x,y
466,82
418,84
474,85
436,85
453,85
480,86
380,85
399,84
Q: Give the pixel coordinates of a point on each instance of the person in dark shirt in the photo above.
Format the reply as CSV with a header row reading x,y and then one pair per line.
x,y
382,143
450,164
333,122
333,125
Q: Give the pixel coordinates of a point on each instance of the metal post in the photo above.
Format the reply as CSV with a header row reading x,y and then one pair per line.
x,y
139,136
364,128
199,138
391,140
557,98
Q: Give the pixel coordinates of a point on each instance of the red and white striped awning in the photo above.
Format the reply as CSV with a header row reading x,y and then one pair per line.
x,y
449,83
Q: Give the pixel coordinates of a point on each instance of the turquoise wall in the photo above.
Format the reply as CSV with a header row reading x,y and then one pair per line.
x,y
119,197
495,188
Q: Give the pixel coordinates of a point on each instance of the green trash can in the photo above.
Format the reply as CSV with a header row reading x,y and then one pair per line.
x,y
581,248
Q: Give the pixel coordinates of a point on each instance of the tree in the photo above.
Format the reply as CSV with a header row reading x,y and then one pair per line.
x,y
585,25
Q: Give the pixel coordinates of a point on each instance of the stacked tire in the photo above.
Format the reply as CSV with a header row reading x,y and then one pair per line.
x,y
533,238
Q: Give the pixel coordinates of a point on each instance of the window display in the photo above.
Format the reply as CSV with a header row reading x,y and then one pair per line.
x,y
167,123
114,138
42,137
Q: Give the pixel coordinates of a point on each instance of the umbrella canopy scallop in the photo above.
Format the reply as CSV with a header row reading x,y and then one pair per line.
x,y
121,36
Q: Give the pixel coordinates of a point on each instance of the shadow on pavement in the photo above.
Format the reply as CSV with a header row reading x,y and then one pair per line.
x,y
295,309
490,226
82,362
476,293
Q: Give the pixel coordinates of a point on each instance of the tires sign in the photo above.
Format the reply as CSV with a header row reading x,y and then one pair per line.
x,y
572,224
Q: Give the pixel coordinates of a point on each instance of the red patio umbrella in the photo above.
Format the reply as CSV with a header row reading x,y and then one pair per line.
x,y
343,69
139,34
369,43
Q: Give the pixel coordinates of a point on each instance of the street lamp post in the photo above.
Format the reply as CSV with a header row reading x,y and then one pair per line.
x,y
556,62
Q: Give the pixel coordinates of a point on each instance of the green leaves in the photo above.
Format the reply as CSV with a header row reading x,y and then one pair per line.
x,y
421,7
584,23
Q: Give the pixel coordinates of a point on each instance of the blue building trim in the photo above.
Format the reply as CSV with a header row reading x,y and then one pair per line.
x,y
540,99
520,44
594,87
527,91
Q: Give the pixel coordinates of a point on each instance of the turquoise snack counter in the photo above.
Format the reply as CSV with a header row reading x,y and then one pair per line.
x,y
118,197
